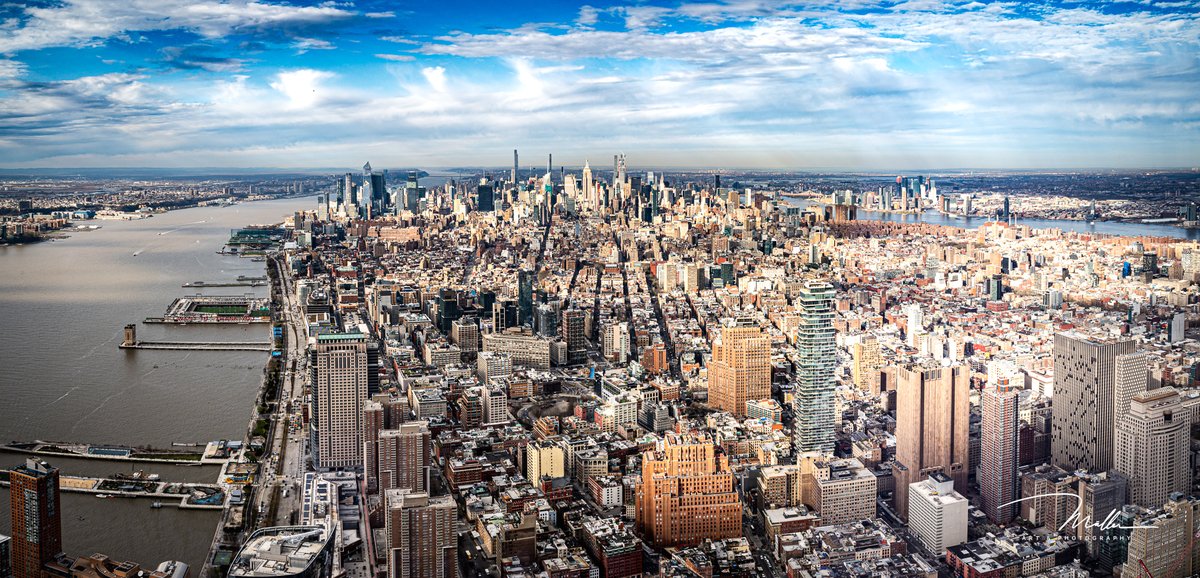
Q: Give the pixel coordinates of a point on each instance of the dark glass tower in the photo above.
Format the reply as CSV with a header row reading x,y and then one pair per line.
x,y
36,517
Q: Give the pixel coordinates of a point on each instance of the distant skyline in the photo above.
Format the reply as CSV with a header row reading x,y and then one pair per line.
x,y
857,85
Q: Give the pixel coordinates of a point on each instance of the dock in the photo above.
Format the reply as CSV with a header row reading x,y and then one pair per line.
x,y
183,495
225,284
200,345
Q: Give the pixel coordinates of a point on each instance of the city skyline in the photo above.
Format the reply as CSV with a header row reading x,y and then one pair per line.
x,y
870,86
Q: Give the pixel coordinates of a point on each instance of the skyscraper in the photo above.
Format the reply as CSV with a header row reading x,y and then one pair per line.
x,y
686,494
1153,447
380,412
339,385
404,457
573,325
817,359
740,369
421,536
932,427
1084,401
998,466
485,198
36,517
5,556
525,281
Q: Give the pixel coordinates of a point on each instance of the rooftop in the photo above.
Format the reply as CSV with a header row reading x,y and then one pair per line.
x,y
280,551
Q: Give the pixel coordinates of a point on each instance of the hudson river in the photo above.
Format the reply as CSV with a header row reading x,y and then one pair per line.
x,y
64,304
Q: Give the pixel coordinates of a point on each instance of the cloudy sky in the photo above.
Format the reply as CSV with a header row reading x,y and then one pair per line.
x,y
855,84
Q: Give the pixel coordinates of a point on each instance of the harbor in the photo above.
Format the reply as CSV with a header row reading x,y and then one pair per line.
x,y
76,384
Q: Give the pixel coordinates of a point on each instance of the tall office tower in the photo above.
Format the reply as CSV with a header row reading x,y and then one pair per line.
x,y
1081,435
573,324
932,425
1131,377
740,369
338,368
914,324
485,198
686,494
370,195
936,513
464,333
404,457
351,196
412,192
1153,446
514,169
867,360
36,517
589,187
1165,544
817,359
505,314
422,541
525,281
380,412
998,440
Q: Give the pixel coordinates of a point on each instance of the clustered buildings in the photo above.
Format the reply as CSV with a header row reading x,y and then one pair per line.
x,y
565,374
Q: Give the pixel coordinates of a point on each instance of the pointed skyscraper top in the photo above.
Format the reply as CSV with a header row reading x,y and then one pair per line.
x,y
367,168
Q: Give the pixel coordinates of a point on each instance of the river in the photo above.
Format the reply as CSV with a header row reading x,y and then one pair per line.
x,y
1102,227
64,304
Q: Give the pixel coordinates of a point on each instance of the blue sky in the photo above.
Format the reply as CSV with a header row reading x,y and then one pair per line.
x,y
854,84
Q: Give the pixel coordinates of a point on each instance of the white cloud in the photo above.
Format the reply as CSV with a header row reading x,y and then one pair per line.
x,y
303,45
397,57
91,22
301,87
387,14
436,77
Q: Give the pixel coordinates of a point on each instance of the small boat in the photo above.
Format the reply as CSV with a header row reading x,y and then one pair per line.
x,y
103,496
156,505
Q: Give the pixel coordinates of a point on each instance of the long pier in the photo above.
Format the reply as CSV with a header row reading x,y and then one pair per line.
x,y
200,345
145,489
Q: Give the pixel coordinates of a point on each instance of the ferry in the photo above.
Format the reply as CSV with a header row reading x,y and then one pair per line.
x,y
103,496
156,505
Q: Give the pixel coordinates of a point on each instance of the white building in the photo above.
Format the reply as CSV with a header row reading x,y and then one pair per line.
x,y
936,513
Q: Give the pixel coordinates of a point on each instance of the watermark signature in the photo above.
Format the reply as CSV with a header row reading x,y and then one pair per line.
x,y
1077,520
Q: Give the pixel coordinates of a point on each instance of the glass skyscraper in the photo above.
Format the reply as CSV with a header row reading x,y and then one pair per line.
x,y
817,358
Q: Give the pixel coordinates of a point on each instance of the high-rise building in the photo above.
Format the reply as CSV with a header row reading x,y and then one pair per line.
x,y
998,440
573,325
380,412
686,494
1084,401
485,198
404,457
544,458
817,359
1164,543
339,385
421,538
937,514
36,517
525,281
740,368
1153,446
932,427
1131,378
867,359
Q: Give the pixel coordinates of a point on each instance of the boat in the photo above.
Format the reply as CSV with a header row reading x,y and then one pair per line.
x,y
156,505
102,496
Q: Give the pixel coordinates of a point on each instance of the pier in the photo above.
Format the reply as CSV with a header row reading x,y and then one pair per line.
x,y
182,495
132,342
